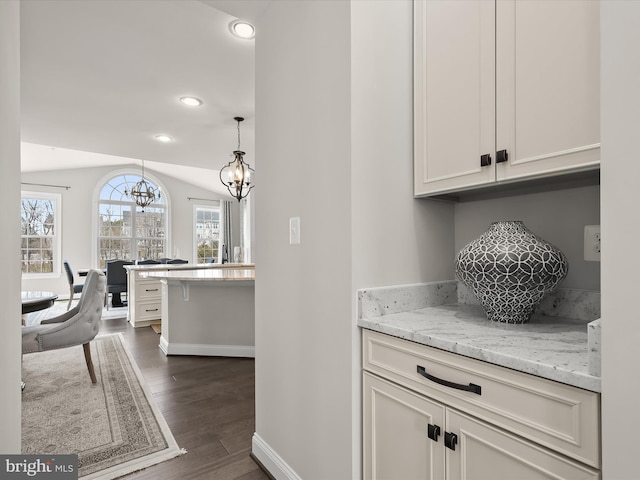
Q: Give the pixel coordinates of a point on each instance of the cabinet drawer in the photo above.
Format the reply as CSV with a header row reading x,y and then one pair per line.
x,y
561,417
149,310
148,289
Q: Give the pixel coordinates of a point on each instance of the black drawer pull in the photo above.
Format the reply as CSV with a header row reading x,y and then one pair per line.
x,y
450,440
151,310
502,156
151,290
472,387
485,160
433,432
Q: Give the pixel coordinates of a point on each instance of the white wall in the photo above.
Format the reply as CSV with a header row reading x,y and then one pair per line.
x,y
10,344
303,298
396,239
333,103
557,216
620,176
78,215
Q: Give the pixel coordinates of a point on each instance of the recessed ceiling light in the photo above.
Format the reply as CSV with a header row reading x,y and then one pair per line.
x,y
191,101
164,138
242,29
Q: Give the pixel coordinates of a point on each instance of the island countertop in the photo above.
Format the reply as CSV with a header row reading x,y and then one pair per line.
x,y
237,274
556,348
185,266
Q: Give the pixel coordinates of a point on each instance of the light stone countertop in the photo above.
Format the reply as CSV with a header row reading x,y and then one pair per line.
x,y
186,266
238,274
552,347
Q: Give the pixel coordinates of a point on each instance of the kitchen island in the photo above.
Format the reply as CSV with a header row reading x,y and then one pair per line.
x,y
207,311
144,295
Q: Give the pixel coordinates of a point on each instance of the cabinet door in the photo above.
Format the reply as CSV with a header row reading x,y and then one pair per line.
x,y
547,86
483,452
396,442
454,94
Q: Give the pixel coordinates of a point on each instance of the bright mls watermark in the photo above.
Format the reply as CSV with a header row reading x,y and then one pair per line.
x,y
51,467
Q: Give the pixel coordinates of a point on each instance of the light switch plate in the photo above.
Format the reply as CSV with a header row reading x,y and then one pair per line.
x,y
592,244
294,231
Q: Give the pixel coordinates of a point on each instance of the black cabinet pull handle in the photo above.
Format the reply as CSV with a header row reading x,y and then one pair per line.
x,y
472,387
502,156
151,310
450,440
151,290
433,432
485,160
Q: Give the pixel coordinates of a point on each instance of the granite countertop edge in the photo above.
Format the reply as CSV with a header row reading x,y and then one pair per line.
x,y
236,276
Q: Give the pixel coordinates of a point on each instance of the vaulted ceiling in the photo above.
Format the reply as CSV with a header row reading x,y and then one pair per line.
x,y
106,76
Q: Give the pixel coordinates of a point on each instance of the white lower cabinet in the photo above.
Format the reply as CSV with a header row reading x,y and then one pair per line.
x,y
420,435
486,452
396,429
145,300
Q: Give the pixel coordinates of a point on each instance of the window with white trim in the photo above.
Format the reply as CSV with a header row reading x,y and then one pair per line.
x,y
207,233
40,231
126,232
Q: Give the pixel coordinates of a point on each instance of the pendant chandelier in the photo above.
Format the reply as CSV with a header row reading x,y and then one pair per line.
x,y
237,175
142,192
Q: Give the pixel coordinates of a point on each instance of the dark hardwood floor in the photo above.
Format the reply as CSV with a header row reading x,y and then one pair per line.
x,y
208,403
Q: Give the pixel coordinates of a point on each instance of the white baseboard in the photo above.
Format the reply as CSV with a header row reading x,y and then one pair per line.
x,y
207,350
163,345
270,460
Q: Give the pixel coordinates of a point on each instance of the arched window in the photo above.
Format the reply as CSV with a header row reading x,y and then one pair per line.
x,y
125,231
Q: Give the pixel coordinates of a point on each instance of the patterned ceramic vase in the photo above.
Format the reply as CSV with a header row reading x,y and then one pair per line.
x,y
510,270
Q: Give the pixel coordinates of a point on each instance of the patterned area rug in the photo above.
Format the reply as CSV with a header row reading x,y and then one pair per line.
x,y
114,426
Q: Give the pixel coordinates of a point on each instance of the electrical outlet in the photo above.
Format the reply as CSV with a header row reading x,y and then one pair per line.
x,y
294,231
592,244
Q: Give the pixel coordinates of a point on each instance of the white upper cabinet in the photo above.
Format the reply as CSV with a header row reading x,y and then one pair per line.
x,y
454,93
504,91
548,86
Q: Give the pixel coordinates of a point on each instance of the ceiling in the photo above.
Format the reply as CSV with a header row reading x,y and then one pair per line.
x,y
106,76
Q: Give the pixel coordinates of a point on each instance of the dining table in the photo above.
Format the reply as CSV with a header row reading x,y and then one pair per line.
x,y
34,300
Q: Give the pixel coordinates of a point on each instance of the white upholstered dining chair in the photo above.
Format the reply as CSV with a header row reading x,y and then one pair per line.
x,y
77,326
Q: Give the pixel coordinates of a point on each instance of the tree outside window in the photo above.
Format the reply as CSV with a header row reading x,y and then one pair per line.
x,y
39,231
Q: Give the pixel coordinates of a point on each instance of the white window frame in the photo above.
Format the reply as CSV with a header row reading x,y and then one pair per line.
x,y
217,205
96,203
56,198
